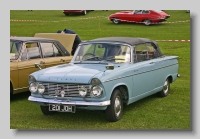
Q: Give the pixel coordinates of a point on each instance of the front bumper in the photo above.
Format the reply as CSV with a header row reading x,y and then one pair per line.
x,y
62,102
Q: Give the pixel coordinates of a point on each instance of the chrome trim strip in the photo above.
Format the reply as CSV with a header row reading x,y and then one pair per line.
x,y
21,88
54,101
137,73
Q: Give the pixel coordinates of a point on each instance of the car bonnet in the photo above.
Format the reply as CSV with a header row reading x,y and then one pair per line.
x,y
69,73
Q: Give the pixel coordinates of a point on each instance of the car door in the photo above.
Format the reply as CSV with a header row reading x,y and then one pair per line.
x,y
126,16
144,71
53,55
30,54
136,16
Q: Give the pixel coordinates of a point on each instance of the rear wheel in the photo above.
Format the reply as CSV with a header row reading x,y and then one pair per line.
x,y
147,22
166,88
115,109
45,110
116,21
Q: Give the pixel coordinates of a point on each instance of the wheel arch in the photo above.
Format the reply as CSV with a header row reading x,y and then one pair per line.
x,y
124,91
170,78
114,18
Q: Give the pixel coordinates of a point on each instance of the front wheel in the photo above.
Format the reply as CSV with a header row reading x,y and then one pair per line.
x,y
115,109
116,21
45,110
147,22
165,90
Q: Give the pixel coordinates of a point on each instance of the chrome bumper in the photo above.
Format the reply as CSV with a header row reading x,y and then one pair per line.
x,y
55,101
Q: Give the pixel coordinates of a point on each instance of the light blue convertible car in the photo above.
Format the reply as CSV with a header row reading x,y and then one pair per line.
x,y
104,74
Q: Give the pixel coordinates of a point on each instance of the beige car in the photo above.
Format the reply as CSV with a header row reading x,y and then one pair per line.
x,y
46,49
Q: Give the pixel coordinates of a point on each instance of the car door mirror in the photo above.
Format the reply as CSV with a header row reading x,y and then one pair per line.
x,y
109,67
37,65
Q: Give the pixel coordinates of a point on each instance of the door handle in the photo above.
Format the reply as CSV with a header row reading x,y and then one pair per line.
x,y
42,62
62,60
152,63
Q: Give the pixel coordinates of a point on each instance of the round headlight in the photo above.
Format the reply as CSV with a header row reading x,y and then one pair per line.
x,y
96,91
31,79
33,87
82,91
41,88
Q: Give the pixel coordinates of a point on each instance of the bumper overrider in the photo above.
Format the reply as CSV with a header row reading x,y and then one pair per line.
x,y
67,102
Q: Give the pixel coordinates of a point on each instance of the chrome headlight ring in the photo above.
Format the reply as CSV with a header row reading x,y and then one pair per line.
x,y
33,87
82,91
96,91
40,89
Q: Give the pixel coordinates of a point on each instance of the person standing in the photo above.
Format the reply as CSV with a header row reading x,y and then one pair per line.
x,y
77,39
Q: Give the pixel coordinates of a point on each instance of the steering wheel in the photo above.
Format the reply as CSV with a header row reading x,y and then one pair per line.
x,y
143,52
90,55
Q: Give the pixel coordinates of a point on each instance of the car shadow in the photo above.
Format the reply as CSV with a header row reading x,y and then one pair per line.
x,y
20,96
141,103
138,24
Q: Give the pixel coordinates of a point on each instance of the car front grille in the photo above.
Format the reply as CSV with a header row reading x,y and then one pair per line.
x,y
71,90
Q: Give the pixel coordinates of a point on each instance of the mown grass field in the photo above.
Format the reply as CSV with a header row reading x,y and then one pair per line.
x,y
152,113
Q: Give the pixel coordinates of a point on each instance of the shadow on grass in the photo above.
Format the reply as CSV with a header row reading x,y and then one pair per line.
x,y
20,96
141,103
135,24
91,116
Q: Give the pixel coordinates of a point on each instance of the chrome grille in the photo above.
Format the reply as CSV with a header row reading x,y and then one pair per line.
x,y
71,90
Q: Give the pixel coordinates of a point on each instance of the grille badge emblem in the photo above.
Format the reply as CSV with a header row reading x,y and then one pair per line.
x,y
62,92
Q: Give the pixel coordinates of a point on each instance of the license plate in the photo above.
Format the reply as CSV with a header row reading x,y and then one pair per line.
x,y
62,108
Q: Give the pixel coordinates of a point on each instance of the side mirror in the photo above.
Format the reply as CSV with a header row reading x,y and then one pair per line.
x,y
37,65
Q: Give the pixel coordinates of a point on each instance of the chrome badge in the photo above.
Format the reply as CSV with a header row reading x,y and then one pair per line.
x,y
62,93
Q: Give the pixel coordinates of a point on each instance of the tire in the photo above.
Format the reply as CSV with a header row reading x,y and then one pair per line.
x,y
147,22
166,89
116,21
115,109
45,110
84,12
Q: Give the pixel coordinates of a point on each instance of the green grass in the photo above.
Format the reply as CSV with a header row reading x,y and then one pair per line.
x,y
171,112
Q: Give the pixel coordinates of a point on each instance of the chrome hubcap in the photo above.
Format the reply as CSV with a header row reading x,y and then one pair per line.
x,y
147,22
117,106
165,87
115,21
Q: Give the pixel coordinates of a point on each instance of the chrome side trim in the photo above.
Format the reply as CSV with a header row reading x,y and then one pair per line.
x,y
21,88
54,101
137,73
